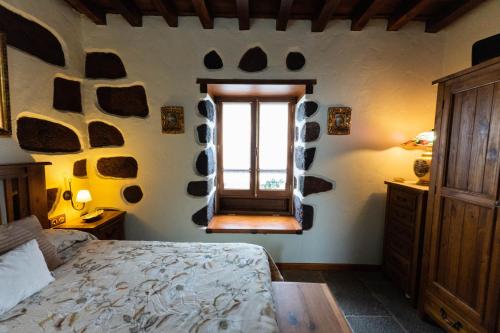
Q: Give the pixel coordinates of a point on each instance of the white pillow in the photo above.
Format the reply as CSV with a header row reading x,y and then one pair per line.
x,y
23,272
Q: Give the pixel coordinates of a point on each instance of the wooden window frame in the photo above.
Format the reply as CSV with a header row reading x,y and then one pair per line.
x,y
254,194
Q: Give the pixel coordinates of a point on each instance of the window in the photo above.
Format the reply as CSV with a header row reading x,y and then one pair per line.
x,y
254,155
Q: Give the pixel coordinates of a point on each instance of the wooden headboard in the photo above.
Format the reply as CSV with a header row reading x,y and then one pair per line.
x,y
24,192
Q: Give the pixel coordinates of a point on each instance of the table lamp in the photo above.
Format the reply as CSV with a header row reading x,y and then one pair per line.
x,y
422,164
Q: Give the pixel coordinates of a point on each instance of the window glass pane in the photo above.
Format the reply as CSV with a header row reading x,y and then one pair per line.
x,y
273,145
236,141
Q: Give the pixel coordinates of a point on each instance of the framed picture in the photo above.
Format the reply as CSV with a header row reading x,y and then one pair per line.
x,y
5,125
339,121
172,119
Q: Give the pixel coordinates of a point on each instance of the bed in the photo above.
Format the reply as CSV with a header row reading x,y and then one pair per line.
x,y
140,286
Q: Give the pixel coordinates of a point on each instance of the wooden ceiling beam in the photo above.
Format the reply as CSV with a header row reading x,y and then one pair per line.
x,y
406,14
365,11
243,9
94,13
129,11
206,19
283,14
451,15
167,10
320,22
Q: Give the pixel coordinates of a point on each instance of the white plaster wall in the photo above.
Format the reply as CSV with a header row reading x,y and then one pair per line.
x,y
31,85
385,77
479,23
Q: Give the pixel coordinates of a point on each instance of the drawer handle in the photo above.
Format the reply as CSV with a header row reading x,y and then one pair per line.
x,y
456,325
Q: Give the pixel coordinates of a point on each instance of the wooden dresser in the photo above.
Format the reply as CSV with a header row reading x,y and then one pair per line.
x,y
403,235
109,226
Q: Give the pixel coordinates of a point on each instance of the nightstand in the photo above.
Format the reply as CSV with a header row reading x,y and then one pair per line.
x,y
404,235
109,226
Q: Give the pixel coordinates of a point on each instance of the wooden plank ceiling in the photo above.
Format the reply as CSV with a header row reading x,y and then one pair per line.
x,y
436,14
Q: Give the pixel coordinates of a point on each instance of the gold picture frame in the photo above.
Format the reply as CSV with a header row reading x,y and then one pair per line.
x,y
5,120
339,120
172,119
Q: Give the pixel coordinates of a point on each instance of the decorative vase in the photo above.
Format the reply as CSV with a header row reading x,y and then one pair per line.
x,y
422,168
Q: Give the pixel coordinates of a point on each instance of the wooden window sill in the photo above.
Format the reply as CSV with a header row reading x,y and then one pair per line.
x,y
254,224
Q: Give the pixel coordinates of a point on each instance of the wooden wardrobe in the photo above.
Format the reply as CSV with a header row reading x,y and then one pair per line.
x,y
461,277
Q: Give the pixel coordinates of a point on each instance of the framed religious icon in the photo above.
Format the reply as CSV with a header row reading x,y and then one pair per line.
x,y
339,121
5,125
172,119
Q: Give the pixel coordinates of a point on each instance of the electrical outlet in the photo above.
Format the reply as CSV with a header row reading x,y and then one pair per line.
x,y
56,220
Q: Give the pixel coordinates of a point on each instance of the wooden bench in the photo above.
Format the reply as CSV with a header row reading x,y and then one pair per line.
x,y
307,307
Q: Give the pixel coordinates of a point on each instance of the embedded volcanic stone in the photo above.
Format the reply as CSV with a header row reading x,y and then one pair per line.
x,y
310,184
200,188
80,168
204,215
204,134
104,135
304,214
67,95
46,136
296,133
295,61
205,163
212,60
117,167
310,132
52,196
253,60
306,109
133,194
206,109
123,101
304,157
104,65
31,37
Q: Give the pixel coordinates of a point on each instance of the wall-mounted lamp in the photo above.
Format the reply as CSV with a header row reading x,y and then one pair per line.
x,y
82,197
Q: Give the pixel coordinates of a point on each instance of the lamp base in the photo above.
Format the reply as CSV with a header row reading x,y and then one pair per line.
x,y
422,168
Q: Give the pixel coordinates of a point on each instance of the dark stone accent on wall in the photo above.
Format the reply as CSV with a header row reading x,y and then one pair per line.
x,y
296,133
295,61
104,135
117,167
212,60
206,109
304,214
485,49
52,198
310,184
205,162
304,157
31,37
200,188
123,101
104,65
46,136
254,60
306,110
204,134
204,215
294,182
80,168
67,95
133,194
310,132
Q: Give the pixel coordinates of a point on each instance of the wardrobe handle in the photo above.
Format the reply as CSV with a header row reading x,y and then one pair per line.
x,y
456,325
497,204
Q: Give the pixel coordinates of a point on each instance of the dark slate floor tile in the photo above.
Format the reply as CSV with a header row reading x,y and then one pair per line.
x,y
302,276
378,324
393,299
352,295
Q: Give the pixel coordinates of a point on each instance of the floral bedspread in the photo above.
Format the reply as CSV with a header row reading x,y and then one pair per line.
x,y
131,286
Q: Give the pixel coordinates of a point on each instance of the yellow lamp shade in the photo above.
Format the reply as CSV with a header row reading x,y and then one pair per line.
x,y
83,196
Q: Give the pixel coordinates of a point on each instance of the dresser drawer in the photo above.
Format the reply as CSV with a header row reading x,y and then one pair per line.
x,y
446,317
400,229
402,215
110,232
403,199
